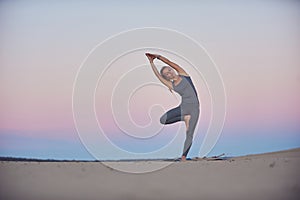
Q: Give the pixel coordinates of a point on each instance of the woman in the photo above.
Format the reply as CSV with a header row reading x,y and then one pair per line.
x,y
188,110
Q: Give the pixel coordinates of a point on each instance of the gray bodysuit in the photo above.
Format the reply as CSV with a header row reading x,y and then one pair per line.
x,y
189,106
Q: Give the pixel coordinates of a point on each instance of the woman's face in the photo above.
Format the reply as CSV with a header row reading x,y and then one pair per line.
x,y
169,73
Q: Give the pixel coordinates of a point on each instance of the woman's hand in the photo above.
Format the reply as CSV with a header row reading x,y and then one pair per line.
x,y
151,57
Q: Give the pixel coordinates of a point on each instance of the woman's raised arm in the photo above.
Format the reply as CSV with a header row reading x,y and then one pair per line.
x,y
179,69
167,83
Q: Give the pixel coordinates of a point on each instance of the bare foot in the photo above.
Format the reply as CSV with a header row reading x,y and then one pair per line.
x,y
183,159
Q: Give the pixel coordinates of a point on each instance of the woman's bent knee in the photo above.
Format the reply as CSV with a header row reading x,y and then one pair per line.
x,y
163,119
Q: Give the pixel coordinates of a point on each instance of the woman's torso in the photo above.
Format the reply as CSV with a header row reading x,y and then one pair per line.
x,y
186,89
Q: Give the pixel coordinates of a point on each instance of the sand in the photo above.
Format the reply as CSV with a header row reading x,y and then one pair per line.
x,y
265,176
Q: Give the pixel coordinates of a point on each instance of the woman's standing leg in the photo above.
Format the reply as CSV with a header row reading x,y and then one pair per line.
x,y
194,116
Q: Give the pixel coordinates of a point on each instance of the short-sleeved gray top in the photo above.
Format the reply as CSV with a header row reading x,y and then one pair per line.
x,y
187,90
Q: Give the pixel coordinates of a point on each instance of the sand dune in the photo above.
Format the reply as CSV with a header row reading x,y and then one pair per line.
x,y
264,176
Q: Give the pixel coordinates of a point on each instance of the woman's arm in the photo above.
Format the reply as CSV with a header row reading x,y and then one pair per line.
x,y
157,74
179,69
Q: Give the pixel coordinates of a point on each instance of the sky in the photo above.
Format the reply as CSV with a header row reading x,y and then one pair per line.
x,y
254,44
